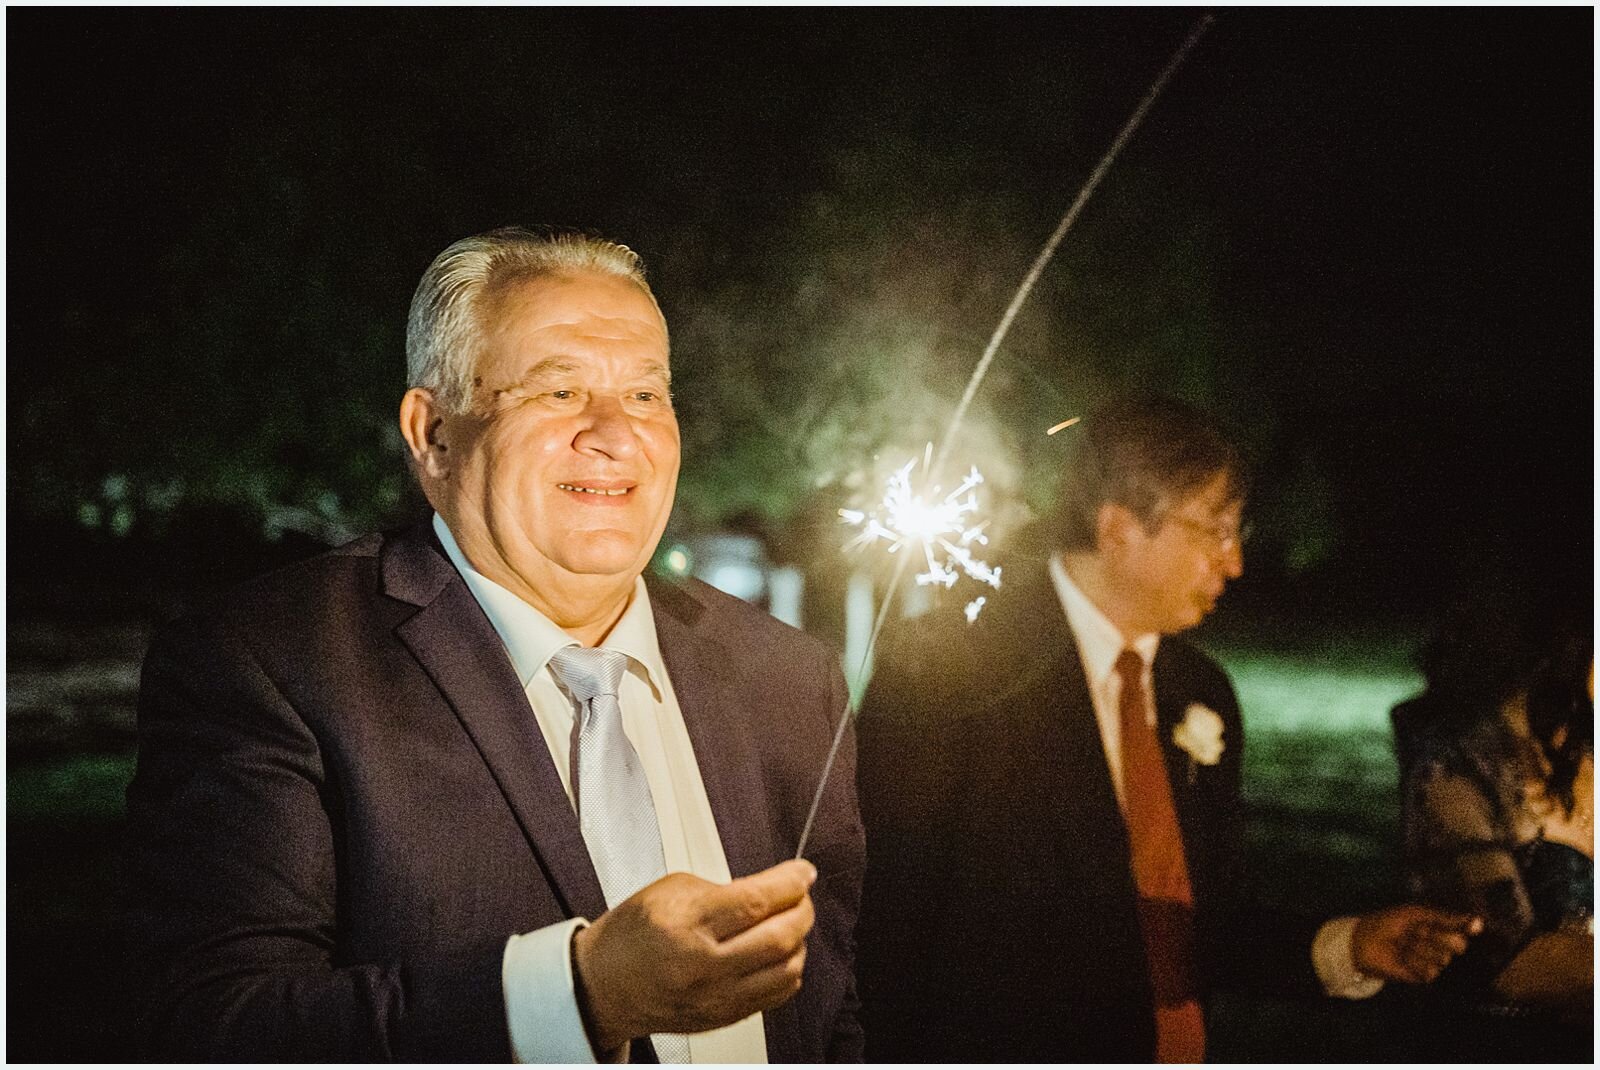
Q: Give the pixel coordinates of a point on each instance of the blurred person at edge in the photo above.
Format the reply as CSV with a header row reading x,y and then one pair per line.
x,y
1053,795
1497,763
479,790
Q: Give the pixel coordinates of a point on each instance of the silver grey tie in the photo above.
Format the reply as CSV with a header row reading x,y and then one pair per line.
x,y
615,809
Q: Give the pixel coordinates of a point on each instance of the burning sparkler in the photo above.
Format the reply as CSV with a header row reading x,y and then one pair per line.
x,y
945,528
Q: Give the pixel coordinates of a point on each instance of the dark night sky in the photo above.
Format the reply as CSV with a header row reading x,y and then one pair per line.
x,y
1394,211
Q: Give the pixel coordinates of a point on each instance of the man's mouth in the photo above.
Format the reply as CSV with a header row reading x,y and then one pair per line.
x,y
608,492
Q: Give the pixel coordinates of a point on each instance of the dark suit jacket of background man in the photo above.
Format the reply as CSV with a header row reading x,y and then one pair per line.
x,y
999,922
344,806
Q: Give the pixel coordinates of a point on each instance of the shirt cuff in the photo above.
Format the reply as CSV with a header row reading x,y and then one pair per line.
x,y
541,999
1333,957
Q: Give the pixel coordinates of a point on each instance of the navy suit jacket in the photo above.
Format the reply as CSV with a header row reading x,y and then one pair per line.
x,y
343,807
1000,920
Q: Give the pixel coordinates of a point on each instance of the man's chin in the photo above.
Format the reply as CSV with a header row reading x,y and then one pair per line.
x,y
605,557
1181,620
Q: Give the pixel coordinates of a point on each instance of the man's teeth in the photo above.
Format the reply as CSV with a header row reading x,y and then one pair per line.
x,y
594,490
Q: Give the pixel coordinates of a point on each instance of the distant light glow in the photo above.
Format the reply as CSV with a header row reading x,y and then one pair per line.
x,y
738,578
678,560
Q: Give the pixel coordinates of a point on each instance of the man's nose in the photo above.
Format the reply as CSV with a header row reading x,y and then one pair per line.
x,y
1233,560
607,429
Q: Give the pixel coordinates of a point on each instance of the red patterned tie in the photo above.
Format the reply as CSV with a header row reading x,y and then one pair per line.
x,y
1166,901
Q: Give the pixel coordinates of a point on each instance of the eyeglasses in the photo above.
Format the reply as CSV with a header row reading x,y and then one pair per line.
x,y
1224,537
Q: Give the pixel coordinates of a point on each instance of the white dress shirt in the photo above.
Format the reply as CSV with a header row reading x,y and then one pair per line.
x,y
536,973
1099,643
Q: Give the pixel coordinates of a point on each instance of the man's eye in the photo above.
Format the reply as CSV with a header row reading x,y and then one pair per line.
x,y
563,395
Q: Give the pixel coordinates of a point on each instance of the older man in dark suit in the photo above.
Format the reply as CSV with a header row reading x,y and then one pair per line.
x,y
1053,794
476,790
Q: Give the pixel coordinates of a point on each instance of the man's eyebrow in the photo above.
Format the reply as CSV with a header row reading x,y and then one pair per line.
x,y
554,366
547,367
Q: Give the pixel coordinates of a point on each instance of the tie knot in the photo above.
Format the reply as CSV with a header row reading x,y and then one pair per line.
x,y
1130,666
588,671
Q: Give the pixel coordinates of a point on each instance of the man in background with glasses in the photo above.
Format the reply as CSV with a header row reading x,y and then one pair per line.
x,y
1053,796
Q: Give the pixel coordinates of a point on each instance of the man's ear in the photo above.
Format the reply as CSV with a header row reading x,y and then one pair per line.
x,y
422,426
1115,527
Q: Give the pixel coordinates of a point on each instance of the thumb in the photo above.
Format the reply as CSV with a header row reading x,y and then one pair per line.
x,y
734,907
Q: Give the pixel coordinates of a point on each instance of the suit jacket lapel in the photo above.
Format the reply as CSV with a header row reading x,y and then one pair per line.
x,y
1057,694
1090,779
458,647
1172,698
719,725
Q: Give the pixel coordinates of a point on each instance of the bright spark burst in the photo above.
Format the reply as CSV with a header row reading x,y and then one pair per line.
x,y
944,528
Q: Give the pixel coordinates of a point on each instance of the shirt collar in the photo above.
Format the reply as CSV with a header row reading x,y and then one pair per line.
x,y
1099,640
531,638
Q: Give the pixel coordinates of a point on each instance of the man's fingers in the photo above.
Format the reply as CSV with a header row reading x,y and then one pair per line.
x,y
1448,933
1430,955
736,906
765,988
770,940
1433,942
1465,924
1425,967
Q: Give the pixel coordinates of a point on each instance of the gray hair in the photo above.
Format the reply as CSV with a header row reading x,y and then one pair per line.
x,y
443,332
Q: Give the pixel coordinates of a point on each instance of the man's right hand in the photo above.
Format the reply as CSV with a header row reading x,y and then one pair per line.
x,y
684,955
1410,943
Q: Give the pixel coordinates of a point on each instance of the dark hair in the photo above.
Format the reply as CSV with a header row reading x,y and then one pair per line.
x,y
1490,641
1144,453
1520,630
1561,713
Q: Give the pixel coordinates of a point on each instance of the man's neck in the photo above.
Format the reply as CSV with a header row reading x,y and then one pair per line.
x,y
585,607
585,611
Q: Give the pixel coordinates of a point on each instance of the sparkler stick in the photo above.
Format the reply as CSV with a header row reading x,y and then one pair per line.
x,y
1071,217
850,709
982,369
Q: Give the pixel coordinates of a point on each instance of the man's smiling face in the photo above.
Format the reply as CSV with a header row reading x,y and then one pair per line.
x,y
567,461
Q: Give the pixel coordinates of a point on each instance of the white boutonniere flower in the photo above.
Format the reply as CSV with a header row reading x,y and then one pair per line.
x,y
1199,734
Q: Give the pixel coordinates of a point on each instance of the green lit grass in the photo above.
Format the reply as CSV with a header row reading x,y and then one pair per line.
x,y
1320,778
1283,693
